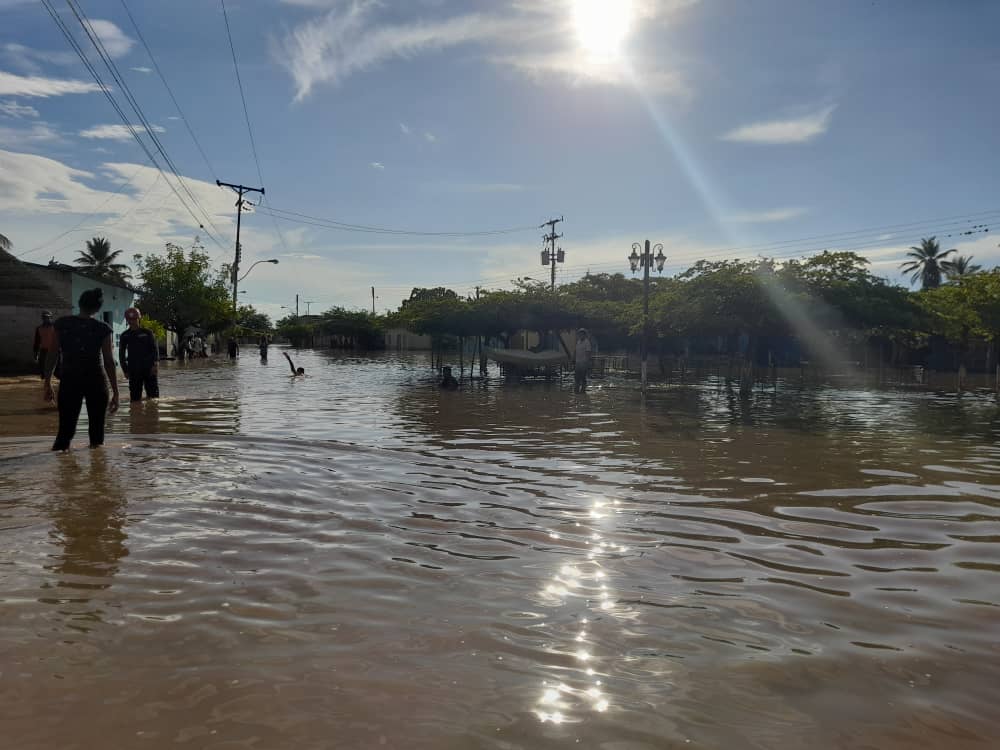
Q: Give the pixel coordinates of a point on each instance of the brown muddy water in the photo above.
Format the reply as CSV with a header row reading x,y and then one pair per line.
x,y
358,560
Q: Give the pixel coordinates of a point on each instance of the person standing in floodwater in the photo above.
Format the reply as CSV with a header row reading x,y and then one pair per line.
x,y
234,348
581,360
262,345
448,381
138,357
82,344
45,342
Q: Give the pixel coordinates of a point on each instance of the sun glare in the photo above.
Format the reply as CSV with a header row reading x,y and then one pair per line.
x,y
602,25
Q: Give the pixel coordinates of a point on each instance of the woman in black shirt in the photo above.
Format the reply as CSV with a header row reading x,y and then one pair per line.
x,y
83,343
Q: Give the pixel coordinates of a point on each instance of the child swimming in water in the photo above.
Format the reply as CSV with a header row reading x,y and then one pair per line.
x,y
296,372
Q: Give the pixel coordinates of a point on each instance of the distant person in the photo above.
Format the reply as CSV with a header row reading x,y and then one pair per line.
x,y
448,381
46,342
82,344
139,358
581,360
262,345
234,348
296,371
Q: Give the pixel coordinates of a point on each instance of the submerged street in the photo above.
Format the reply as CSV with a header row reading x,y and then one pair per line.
x,y
359,559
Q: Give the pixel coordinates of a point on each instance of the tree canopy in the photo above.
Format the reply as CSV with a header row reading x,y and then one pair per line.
x,y
182,290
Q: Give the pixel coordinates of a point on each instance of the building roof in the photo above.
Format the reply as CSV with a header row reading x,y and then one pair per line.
x,y
52,265
21,287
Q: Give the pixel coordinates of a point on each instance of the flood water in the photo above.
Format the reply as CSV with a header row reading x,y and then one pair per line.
x,y
358,560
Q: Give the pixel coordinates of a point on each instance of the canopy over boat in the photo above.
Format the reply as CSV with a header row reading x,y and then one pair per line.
x,y
527,359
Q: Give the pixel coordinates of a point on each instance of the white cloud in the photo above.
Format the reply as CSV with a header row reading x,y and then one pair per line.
x,y
569,66
40,86
343,42
761,217
404,128
142,69
377,165
795,130
28,138
116,132
37,191
113,38
13,109
430,137
536,39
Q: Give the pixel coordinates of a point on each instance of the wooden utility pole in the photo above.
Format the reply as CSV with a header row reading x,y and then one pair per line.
x,y
645,260
296,308
241,190
373,300
553,255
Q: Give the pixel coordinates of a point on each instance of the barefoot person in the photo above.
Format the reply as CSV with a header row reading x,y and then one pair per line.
x,y
83,343
139,357
296,371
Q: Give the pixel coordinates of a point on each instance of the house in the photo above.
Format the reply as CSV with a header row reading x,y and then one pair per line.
x,y
26,289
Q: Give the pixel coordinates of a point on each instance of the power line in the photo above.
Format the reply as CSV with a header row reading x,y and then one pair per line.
x,y
246,116
107,93
300,218
119,79
80,223
166,85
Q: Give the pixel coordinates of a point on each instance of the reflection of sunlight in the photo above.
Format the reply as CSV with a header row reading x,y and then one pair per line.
x,y
601,26
585,584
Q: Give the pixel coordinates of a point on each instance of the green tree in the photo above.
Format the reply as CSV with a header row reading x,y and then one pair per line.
x,y
99,260
252,321
960,267
927,263
183,290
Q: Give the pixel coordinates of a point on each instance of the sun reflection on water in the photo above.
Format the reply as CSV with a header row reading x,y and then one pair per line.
x,y
584,584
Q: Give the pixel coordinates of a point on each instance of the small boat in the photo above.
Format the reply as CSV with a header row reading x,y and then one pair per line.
x,y
519,358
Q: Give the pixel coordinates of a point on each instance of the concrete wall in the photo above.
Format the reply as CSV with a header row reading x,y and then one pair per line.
x,y
399,339
17,335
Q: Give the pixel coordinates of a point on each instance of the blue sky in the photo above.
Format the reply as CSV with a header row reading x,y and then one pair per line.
x,y
705,126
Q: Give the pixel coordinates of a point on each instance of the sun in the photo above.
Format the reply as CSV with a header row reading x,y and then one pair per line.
x,y
602,25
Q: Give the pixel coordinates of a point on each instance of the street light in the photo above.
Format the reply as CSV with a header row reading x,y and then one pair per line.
x,y
272,260
645,261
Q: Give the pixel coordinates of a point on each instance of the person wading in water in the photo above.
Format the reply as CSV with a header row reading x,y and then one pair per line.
x,y
83,343
138,356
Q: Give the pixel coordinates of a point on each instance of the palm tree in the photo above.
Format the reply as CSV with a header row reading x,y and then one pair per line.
x,y
99,260
961,266
927,263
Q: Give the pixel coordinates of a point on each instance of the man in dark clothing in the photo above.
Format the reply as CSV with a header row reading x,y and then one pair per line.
x,y
138,356
82,345
448,381
45,342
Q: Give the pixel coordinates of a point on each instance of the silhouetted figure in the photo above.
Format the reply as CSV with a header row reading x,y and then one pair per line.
x,y
234,348
296,371
83,342
448,381
45,342
263,348
139,358
581,361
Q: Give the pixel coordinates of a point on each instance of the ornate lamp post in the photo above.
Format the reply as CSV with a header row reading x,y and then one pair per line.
x,y
645,261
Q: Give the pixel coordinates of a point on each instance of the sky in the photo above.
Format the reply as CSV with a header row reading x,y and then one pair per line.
x,y
719,129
